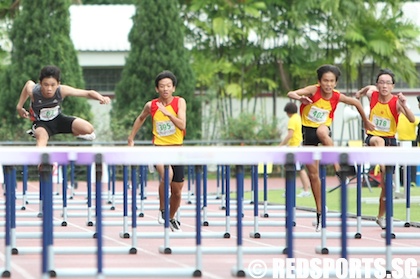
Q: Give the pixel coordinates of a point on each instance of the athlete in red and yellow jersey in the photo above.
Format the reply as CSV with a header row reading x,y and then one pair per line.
x,y
320,111
384,111
169,121
317,111
383,115
165,132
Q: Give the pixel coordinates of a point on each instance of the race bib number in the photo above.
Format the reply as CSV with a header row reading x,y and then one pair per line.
x,y
381,123
47,114
318,115
165,128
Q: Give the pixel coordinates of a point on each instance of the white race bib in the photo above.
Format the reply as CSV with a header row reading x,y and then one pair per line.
x,y
165,128
381,123
318,115
47,114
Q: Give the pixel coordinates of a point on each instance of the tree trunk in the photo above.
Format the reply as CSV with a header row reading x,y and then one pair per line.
x,y
285,82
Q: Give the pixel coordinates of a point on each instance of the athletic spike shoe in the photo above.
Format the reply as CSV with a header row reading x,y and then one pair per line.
x,y
31,133
381,222
175,225
89,137
338,174
161,217
304,194
318,222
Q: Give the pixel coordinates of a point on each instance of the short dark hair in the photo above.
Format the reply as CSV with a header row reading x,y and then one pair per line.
x,y
50,71
326,69
418,99
386,72
290,108
165,74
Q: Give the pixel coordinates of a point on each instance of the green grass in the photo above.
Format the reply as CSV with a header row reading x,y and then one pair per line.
x,y
368,209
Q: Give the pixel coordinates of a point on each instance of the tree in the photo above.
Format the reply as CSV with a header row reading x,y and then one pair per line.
x,y
106,2
291,39
7,12
40,36
226,61
157,44
383,36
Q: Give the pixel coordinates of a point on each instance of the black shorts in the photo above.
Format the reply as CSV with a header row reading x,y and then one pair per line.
x,y
310,137
62,124
388,141
178,173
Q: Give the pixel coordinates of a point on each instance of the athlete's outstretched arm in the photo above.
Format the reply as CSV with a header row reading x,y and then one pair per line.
x,y
24,95
303,94
90,94
139,122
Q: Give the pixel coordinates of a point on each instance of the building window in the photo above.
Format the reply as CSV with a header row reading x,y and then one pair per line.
x,y
101,79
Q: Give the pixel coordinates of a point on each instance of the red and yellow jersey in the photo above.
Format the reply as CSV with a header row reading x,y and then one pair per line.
x,y
320,111
383,116
164,130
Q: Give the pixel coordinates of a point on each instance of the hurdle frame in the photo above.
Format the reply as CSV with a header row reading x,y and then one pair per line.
x,y
119,156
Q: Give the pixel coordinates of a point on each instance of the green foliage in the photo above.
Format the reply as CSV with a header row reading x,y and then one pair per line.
x,y
249,128
385,37
108,2
40,36
287,47
157,44
4,45
238,49
225,56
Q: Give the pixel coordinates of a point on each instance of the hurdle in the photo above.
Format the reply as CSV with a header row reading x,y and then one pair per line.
x,y
404,235
323,249
358,222
227,206
344,250
125,222
255,202
166,249
111,187
225,250
199,211
278,235
407,179
238,270
142,184
387,250
100,249
238,157
220,196
9,172
190,183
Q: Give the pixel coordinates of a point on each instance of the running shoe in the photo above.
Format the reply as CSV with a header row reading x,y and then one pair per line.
x,y
338,174
304,194
381,222
161,217
31,133
318,222
175,225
